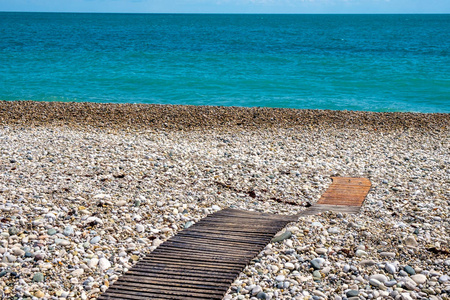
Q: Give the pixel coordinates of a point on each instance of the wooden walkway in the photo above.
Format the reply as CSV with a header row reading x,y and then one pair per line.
x,y
345,195
201,262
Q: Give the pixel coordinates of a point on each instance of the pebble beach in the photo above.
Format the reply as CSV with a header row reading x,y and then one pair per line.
x,y
86,190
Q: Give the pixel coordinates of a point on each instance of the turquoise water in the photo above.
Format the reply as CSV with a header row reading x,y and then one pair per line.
x,y
353,62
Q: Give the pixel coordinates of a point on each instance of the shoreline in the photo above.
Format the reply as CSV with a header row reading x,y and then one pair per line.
x,y
179,117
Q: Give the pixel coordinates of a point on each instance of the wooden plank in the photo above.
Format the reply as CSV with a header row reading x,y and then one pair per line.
x,y
346,191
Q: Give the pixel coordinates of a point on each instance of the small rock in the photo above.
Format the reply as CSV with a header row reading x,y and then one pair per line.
x,y
289,266
390,283
188,224
410,284
390,268
374,282
387,254
77,272
334,230
368,262
280,278
409,270
102,196
411,242
140,228
68,230
444,278
95,240
320,294
285,234
39,294
256,290
104,264
13,230
121,203
315,264
51,231
316,224
419,278
156,242
92,263
38,277
360,253
380,277
321,251
352,293
17,251
263,295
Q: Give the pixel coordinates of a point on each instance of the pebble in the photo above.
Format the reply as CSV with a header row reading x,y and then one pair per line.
x,y
334,230
77,272
419,278
368,262
390,268
62,242
352,293
410,241
17,251
409,270
38,277
390,283
316,264
104,264
360,253
140,228
93,262
387,254
95,240
256,290
39,294
321,251
281,236
51,231
68,230
262,295
13,231
375,282
289,266
380,277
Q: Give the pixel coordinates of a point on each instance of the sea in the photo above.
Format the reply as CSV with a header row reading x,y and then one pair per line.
x,y
365,62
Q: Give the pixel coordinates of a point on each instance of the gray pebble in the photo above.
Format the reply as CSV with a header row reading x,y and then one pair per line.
x,y
352,293
315,264
38,277
95,240
409,270
13,230
262,295
68,230
51,231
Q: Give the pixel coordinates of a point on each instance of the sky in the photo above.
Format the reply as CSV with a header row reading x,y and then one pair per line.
x,y
229,6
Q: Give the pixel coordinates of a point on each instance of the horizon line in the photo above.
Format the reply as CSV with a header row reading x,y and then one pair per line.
x,y
230,13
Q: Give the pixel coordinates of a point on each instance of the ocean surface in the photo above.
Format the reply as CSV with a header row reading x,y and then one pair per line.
x,y
337,62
